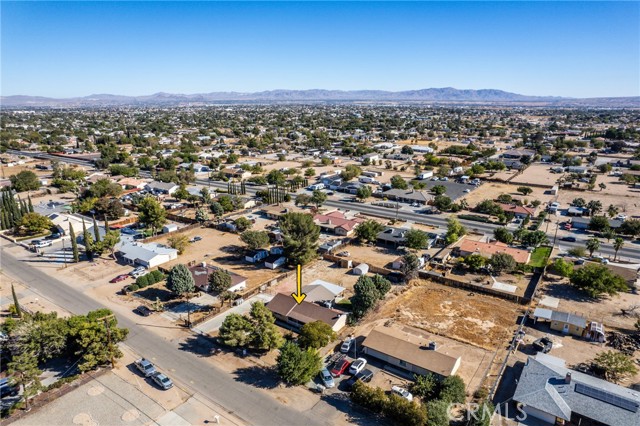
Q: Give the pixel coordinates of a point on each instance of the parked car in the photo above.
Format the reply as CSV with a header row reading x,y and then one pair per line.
x,y
326,378
119,278
402,392
143,310
7,389
140,273
466,191
145,366
346,345
543,344
357,366
344,254
137,270
364,376
195,239
41,243
163,381
339,368
53,236
568,239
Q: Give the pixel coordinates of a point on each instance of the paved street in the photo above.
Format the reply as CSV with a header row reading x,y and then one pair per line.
x,y
191,372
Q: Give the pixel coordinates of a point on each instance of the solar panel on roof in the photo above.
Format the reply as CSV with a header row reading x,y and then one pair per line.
x,y
609,398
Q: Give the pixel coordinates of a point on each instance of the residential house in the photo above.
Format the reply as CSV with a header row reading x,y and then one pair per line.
x,y
549,391
275,261
516,154
158,187
148,255
132,183
373,156
236,173
256,256
201,274
409,351
337,222
487,250
518,211
320,291
408,196
392,236
562,321
287,311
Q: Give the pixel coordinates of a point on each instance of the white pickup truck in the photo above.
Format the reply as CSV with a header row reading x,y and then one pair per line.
x,y
145,367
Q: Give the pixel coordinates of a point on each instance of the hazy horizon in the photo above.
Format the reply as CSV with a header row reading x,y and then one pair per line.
x,y
567,49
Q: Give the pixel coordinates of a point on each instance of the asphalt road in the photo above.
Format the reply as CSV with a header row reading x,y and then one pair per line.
x,y
245,402
631,250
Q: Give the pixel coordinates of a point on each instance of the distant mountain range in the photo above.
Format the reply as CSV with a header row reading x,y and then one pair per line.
x,y
447,95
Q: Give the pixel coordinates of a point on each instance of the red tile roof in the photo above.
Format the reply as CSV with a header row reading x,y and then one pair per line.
x,y
489,249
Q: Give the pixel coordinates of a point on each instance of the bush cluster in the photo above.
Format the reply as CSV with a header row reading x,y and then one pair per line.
x,y
147,280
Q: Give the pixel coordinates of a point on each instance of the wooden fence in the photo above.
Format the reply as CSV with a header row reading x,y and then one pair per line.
x,y
443,279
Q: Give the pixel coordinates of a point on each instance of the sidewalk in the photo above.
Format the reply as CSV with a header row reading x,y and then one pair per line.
x,y
214,323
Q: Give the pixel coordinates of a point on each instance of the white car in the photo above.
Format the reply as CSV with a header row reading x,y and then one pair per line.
x,y
467,191
346,345
402,392
357,366
138,271
41,243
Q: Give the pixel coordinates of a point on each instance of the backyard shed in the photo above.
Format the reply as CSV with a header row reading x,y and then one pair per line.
x,y
361,269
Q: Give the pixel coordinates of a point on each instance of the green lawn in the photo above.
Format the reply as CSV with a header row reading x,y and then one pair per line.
x,y
539,257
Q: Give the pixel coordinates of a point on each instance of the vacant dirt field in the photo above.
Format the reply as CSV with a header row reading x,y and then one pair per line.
x,y
491,190
539,174
373,255
605,310
627,200
321,270
223,249
482,321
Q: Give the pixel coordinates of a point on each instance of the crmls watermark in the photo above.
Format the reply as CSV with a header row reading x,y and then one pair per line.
x,y
472,411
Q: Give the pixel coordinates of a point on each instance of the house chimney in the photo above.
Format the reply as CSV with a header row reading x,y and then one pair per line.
x,y
567,378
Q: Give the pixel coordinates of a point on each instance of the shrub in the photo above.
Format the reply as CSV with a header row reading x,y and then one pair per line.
x,y
142,281
133,287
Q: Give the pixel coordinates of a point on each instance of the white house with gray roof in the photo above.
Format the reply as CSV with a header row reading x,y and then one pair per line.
x,y
549,391
148,255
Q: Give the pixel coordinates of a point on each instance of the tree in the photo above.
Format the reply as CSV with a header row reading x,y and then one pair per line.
x,y
364,192
300,237
598,223
453,390
201,214
382,284
630,227
265,335
318,197
410,266
403,412
236,330
74,244
87,241
181,193
437,413
276,177
35,223
151,213
103,188
242,224
369,397
303,200
179,242
577,251
24,372
365,297
482,416
502,262
524,190
316,335
16,304
255,239
602,186
439,189
297,366
562,267
535,238
593,244
219,281
578,202
416,239
615,365
617,245
612,211
454,230
594,206
26,180
398,182
503,235
351,171
216,209
442,202
597,280
180,281
424,386
475,261
310,172
368,231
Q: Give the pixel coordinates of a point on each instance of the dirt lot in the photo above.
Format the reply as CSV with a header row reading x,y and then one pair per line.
x,y
373,255
223,249
321,270
482,321
605,310
491,190
537,174
627,200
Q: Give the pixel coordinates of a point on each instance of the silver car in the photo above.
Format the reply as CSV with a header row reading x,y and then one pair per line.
x,y
163,381
327,380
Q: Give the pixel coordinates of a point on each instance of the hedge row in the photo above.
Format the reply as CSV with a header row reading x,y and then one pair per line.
x,y
147,280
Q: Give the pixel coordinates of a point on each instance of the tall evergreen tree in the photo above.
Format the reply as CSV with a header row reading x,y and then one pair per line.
x,y
106,224
30,205
96,230
74,244
86,237
15,302
3,223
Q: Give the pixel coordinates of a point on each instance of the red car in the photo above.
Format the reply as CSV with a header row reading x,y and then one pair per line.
x,y
339,368
119,278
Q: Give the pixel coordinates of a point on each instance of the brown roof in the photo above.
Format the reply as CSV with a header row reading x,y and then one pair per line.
x,y
305,312
410,349
489,249
201,275
516,209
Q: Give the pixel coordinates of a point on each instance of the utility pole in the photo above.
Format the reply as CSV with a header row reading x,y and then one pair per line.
x,y
106,324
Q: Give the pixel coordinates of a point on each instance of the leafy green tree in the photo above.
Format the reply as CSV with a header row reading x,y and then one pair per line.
x,y
16,304
403,412
424,386
594,206
26,180
454,230
615,365
439,189
437,413
152,214
217,209
608,234
578,202
612,211
398,182
43,334
535,238
201,214
503,235
618,243
524,190
103,188
318,197
369,397
630,227
300,237
179,242
236,330
243,224
416,239
482,416
453,390
382,284
365,297
303,200
562,267
316,334
24,372
443,203
368,231
364,192
276,177
475,261
598,223
297,366
410,266
351,171
180,281
219,281
264,335
310,172
255,239
593,244
35,223
74,244
597,280
181,193
87,241
502,262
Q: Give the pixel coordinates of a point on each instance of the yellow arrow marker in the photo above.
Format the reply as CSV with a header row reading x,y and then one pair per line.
x,y
299,295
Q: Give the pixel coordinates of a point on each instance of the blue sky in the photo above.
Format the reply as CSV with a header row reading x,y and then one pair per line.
x,y
63,49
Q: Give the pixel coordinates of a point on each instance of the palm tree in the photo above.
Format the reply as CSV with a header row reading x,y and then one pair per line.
x,y
593,244
612,210
617,245
608,234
